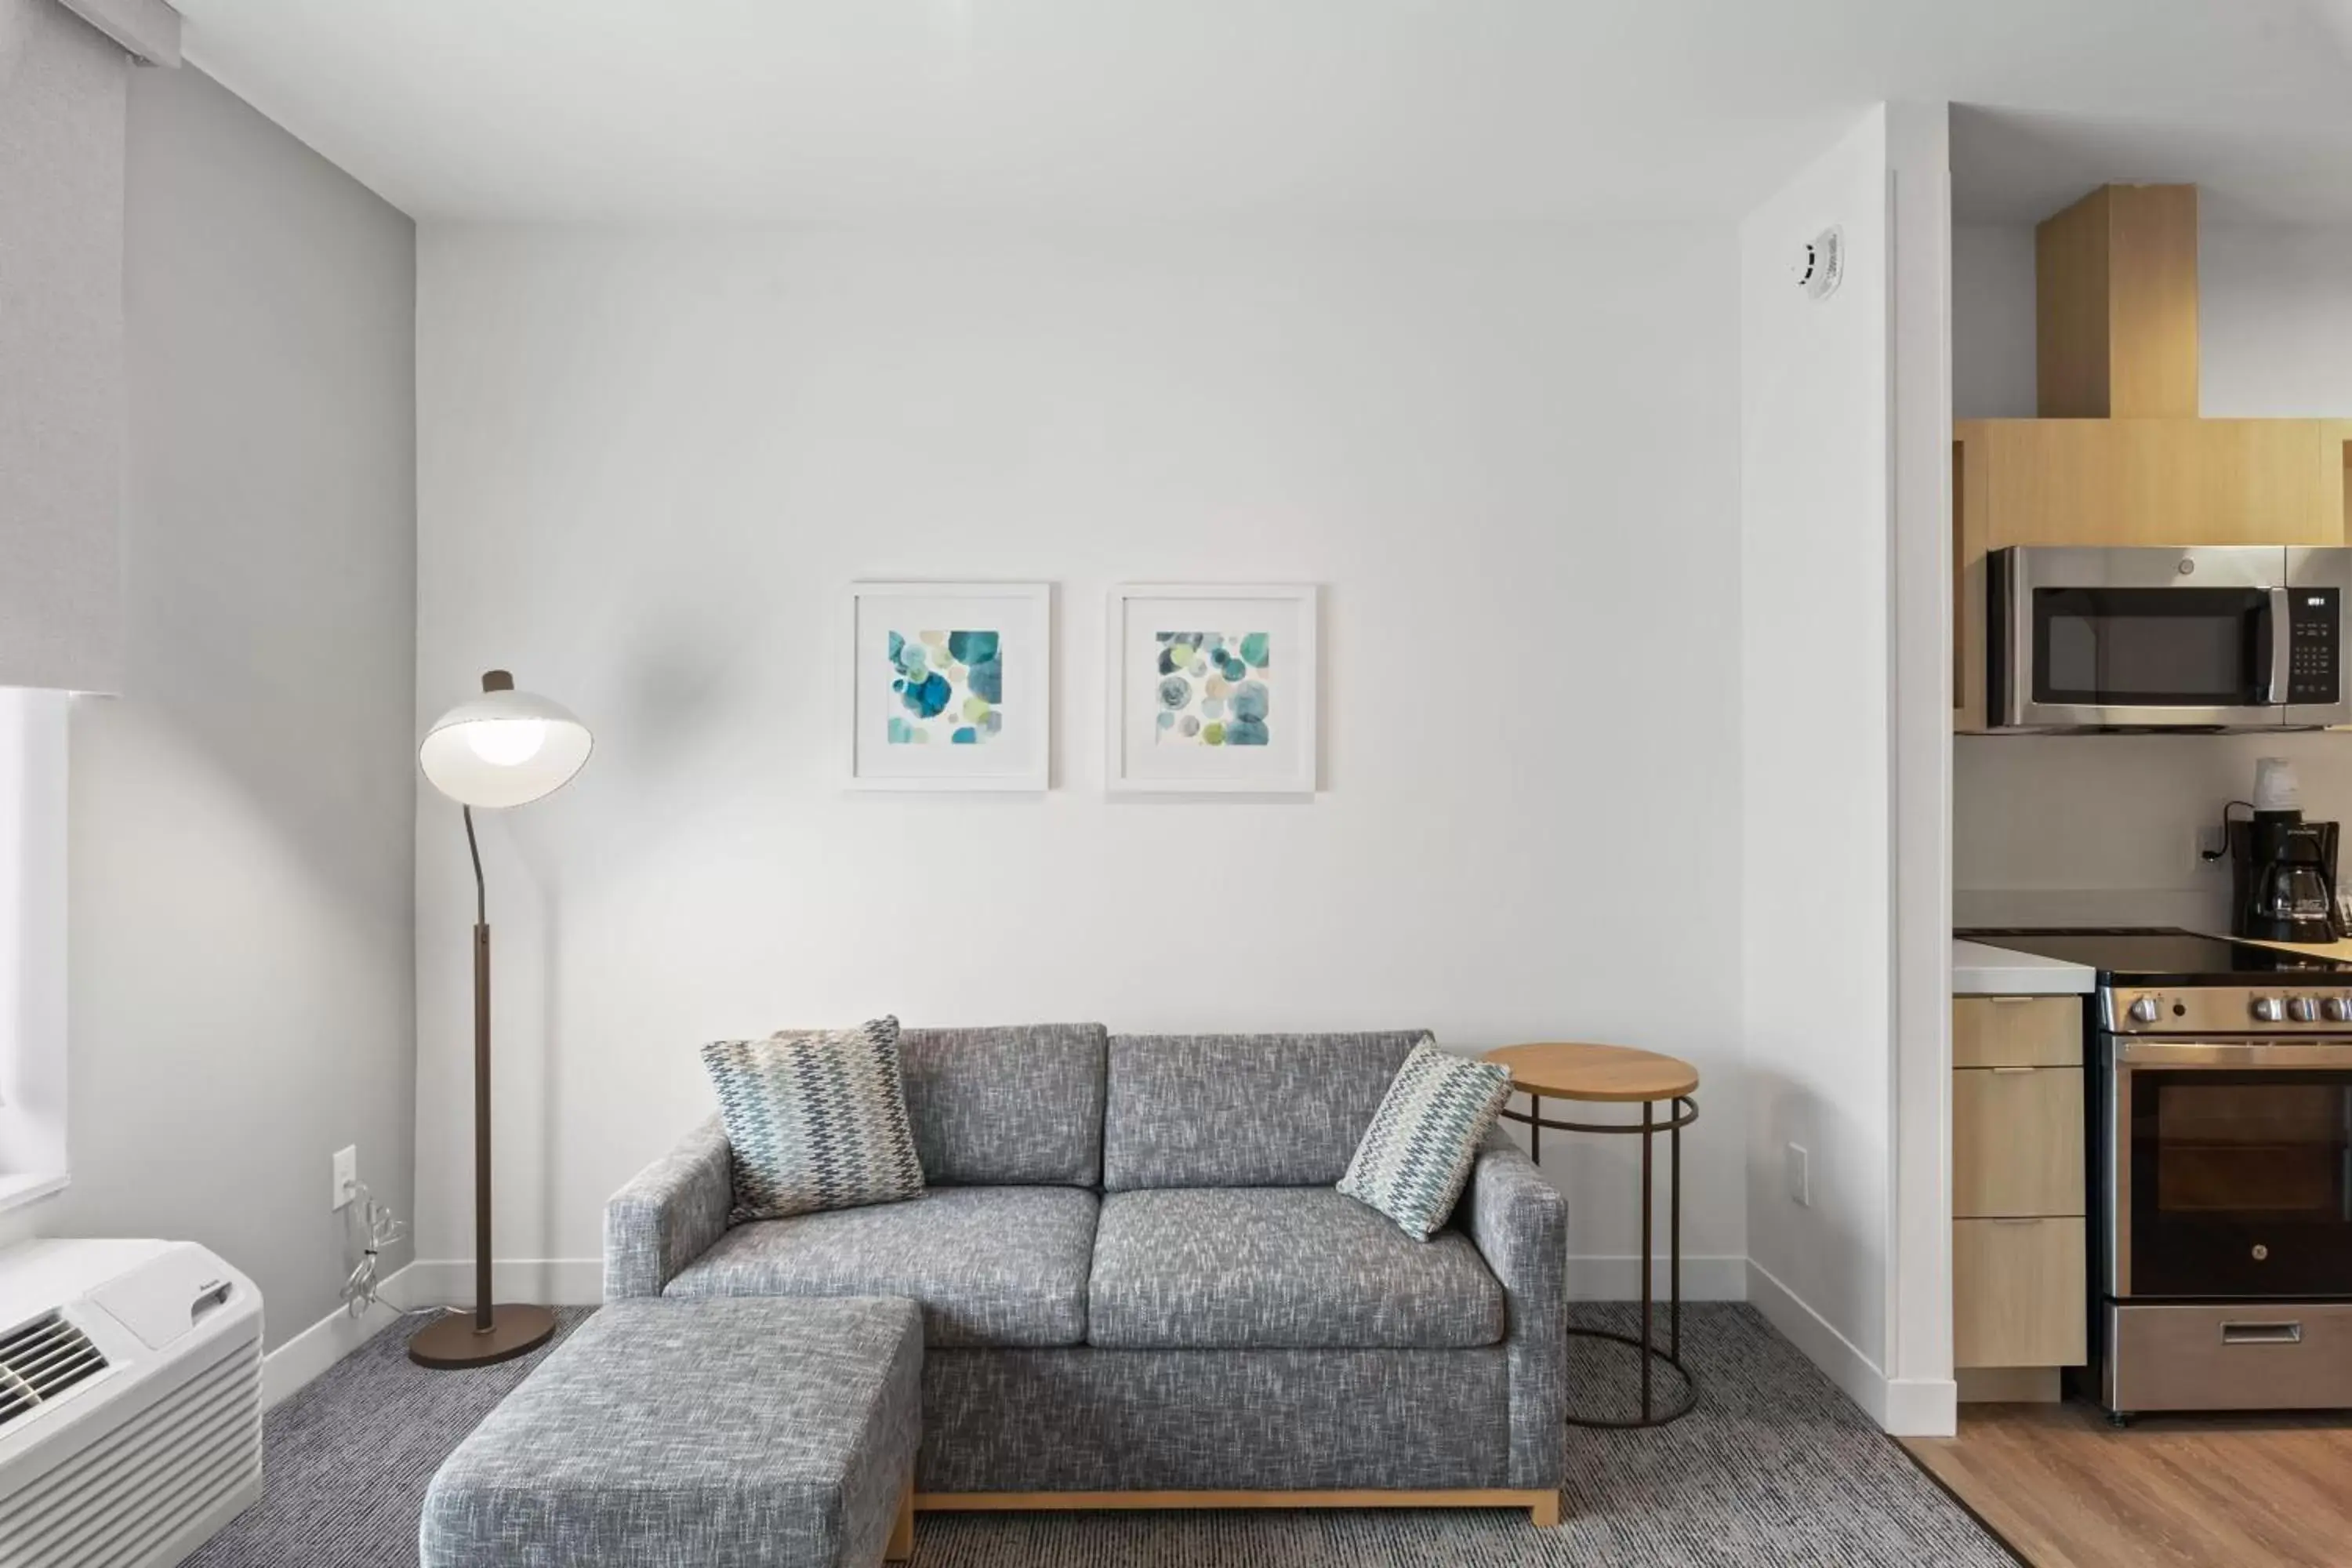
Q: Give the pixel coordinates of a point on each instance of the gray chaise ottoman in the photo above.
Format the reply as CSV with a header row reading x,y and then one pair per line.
x,y
732,1433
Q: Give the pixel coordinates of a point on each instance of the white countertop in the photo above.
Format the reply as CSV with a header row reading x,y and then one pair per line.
x,y
1981,971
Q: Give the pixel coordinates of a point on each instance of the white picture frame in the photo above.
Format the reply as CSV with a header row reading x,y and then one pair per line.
x,y
894,741
1197,749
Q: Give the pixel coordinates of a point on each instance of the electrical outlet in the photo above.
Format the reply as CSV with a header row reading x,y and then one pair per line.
x,y
2207,839
347,1175
1801,1179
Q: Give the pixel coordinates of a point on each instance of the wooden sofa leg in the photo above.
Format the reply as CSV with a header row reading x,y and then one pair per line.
x,y
902,1529
1545,1514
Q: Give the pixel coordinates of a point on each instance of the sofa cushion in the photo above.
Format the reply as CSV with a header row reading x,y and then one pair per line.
x,y
1218,1268
992,1266
1006,1106
1243,1111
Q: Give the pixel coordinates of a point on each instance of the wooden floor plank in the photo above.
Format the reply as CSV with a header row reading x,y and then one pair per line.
x,y
2066,1490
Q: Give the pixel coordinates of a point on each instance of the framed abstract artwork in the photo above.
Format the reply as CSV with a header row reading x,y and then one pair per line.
x,y
949,686
1213,689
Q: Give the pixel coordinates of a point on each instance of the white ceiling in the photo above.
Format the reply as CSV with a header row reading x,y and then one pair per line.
x,y
749,110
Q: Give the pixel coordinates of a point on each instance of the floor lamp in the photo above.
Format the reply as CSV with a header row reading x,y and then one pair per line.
x,y
503,748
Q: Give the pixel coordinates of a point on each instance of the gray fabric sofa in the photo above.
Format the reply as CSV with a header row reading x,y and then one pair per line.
x,y
1136,1276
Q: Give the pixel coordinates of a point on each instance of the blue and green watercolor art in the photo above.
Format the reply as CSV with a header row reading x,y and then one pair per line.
x,y
1214,688
951,686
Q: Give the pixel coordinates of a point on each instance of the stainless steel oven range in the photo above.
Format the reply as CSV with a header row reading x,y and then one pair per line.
x,y
2221,1150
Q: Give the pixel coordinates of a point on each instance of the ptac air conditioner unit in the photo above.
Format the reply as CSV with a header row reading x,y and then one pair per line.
x,y
130,1402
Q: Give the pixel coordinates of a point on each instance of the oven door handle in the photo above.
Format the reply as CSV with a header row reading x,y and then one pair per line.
x,y
2281,643
2321,1055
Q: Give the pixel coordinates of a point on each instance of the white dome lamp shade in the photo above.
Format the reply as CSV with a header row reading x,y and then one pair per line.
x,y
505,747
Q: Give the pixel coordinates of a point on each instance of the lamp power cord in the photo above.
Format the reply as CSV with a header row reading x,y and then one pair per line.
x,y
379,1228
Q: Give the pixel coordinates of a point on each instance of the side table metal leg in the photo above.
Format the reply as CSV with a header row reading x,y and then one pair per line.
x,y
1674,1264
1535,1128
1646,1162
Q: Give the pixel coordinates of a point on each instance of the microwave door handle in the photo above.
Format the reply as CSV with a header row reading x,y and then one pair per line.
x,y
2282,644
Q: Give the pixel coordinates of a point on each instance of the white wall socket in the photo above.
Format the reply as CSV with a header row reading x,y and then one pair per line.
x,y
347,1174
1801,1179
2204,838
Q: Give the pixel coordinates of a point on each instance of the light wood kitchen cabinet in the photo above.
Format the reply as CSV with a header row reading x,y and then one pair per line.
x,y
2019,1272
2018,1293
2017,1032
2017,1143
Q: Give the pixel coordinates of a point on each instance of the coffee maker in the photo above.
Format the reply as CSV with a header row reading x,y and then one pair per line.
x,y
2282,879
2281,868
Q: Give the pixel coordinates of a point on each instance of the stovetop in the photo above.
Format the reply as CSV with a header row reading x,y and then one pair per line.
x,y
2159,955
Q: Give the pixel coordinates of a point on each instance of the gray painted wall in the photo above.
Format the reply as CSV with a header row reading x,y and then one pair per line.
x,y
242,973
61,88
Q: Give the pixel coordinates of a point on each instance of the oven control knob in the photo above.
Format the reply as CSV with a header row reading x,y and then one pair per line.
x,y
2302,1009
2269,1009
2145,1010
2337,1009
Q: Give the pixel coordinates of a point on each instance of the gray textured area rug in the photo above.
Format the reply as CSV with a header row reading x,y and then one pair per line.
x,y
1774,1468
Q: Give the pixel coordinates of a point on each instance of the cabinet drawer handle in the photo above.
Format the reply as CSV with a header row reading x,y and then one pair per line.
x,y
2012,1070
2016,1218
2012,1001
2262,1334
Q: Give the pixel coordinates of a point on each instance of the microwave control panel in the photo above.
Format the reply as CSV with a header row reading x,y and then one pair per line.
x,y
2313,668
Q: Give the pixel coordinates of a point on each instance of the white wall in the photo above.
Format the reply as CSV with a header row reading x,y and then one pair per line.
x,y
33,903
1992,322
61,89
2098,828
650,463
1922,1399
2275,321
1816,786
240,879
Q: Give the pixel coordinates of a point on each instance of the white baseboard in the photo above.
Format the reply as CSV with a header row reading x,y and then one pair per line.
x,y
329,1340
1847,1366
1598,1277
1922,1407
545,1281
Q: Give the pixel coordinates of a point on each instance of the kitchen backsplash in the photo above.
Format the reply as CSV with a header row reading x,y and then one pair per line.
x,y
2100,829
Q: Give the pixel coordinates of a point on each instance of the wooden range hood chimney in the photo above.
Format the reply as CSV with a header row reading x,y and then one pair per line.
x,y
2115,306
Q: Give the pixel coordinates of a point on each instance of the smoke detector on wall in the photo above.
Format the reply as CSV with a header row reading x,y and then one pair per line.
x,y
1819,266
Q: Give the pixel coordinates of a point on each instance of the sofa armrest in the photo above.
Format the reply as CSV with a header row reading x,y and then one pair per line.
x,y
1520,1224
669,1214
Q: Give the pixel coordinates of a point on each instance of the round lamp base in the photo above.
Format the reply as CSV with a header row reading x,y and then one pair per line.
x,y
454,1343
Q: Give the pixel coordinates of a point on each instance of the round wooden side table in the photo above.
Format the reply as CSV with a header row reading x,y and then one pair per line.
x,y
1619,1074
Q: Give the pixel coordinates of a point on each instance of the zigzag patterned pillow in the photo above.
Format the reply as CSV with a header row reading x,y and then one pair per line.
x,y
815,1121
1424,1138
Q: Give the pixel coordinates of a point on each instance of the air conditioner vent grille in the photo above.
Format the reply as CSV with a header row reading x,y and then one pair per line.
x,y
41,1360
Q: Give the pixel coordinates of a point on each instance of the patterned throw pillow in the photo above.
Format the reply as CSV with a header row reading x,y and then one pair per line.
x,y
815,1121
1424,1138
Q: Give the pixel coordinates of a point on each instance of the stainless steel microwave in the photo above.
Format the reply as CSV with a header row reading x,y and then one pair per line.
x,y
2225,638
